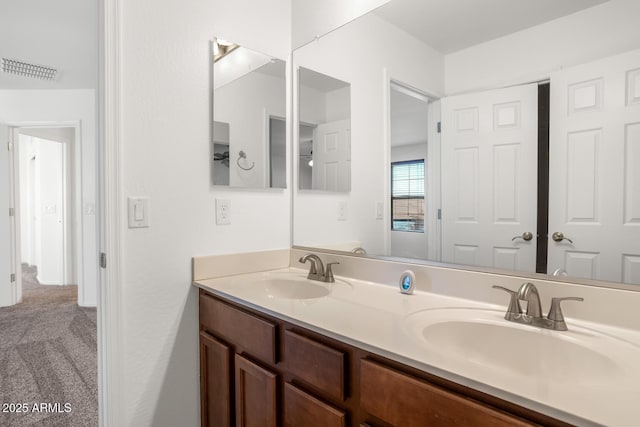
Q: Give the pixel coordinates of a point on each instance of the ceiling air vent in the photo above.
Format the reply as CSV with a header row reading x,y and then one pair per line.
x,y
25,69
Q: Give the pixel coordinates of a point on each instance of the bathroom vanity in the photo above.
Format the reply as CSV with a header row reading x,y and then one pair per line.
x,y
257,369
279,349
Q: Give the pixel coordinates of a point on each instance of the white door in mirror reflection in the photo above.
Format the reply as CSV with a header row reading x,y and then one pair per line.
x,y
332,156
489,188
594,155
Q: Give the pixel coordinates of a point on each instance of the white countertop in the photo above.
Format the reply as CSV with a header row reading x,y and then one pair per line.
x,y
374,317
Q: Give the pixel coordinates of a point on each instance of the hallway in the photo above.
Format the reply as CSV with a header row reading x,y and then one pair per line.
x,y
48,355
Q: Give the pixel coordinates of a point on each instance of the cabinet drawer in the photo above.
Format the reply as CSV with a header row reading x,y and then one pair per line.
x,y
315,363
302,409
403,400
251,333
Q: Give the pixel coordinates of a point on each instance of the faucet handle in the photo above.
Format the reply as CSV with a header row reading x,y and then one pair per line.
x,y
514,303
328,273
555,312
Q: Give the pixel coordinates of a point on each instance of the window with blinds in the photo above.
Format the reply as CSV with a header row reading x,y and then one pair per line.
x,y
407,196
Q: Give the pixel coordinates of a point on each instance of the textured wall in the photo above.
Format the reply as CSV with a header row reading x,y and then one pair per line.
x,y
165,143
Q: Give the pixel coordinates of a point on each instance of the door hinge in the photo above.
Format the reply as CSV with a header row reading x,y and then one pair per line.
x,y
13,277
12,212
9,145
103,260
439,213
439,127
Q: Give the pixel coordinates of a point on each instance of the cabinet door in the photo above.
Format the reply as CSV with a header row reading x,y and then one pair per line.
x,y
256,399
302,409
215,382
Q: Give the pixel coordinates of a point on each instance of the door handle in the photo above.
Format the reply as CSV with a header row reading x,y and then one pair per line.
x,y
559,237
526,236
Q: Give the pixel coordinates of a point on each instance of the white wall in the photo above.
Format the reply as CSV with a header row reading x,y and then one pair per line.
x,y
338,105
50,106
532,54
165,146
246,104
353,54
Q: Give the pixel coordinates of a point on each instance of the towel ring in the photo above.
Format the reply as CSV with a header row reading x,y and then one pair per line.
x,y
242,155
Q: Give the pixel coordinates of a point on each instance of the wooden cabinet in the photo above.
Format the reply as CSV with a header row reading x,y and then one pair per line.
x,y
257,370
403,400
303,409
215,382
254,334
316,364
256,398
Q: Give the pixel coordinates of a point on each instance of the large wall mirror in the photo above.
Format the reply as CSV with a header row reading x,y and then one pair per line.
x,y
509,141
248,122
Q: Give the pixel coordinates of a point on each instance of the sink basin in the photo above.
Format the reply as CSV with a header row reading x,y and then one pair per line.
x,y
482,339
286,285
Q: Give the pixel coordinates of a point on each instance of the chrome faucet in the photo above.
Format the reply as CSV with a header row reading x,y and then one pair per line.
x,y
529,293
317,270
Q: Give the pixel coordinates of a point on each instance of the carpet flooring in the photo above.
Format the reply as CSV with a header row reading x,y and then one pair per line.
x,y
48,358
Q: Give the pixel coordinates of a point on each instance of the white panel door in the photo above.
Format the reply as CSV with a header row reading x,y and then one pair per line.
x,y
594,170
6,255
51,212
332,156
489,184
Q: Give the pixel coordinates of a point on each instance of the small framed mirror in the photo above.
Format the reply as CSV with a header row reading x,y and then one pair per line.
x,y
324,135
248,147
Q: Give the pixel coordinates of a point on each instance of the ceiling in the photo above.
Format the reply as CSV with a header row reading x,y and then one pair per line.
x,y
62,34
452,25
319,81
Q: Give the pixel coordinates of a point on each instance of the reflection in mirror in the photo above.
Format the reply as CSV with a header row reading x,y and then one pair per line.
x,y
535,177
249,129
324,132
412,234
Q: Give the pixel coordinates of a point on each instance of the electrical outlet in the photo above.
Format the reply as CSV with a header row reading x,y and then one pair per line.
x,y
223,212
342,211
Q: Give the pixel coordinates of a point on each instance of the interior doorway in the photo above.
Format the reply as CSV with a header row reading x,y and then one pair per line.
x,y
45,208
414,187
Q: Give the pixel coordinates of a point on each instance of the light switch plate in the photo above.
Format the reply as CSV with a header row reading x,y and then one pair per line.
x,y
379,212
138,212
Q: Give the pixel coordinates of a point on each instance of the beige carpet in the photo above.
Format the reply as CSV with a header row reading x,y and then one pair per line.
x,y
48,358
